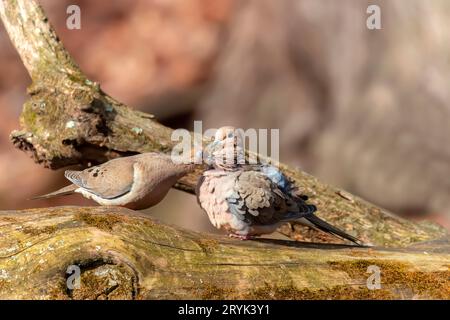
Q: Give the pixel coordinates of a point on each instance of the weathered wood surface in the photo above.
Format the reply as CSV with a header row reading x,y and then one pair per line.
x,y
69,120
124,255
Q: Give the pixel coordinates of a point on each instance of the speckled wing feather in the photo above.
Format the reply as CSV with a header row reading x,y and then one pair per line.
x,y
287,186
258,200
108,181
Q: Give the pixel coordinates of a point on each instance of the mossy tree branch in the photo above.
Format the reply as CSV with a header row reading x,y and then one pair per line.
x,y
69,120
124,255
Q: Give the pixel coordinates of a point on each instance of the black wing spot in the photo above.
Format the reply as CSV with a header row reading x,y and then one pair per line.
x,y
95,175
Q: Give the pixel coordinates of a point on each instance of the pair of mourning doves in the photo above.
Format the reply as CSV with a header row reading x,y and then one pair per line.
x,y
251,200
135,182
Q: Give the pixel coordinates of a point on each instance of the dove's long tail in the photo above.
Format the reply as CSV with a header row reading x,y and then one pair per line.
x,y
328,228
70,189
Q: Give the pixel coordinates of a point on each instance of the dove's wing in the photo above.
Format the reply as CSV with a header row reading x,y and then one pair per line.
x,y
311,220
110,180
258,200
276,176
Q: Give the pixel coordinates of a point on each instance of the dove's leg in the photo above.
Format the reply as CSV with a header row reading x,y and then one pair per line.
x,y
240,237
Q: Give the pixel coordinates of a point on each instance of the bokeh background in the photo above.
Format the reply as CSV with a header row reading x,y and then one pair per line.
x,y
365,110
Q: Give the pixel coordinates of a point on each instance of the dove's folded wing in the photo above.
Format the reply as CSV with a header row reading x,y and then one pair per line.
x,y
110,180
258,200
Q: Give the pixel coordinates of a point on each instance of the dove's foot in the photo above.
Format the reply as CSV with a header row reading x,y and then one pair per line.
x,y
240,237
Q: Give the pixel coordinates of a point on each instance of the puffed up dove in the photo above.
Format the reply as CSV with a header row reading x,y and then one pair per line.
x,y
135,182
251,200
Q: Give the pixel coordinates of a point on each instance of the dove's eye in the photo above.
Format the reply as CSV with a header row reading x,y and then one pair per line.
x,y
230,135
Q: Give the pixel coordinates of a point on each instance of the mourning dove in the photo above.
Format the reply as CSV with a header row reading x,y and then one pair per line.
x,y
251,200
136,182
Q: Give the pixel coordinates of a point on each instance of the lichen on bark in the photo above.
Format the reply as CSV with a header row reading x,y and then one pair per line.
x,y
126,255
69,120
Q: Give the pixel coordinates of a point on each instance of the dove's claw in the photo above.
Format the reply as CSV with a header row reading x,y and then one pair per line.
x,y
240,237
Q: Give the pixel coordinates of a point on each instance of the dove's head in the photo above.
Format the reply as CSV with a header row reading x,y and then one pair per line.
x,y
227,149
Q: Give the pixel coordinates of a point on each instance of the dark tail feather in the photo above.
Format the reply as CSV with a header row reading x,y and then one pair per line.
x,y
326,227
61,192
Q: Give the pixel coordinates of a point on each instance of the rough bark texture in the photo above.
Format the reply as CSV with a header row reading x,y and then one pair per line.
x,y
123,255
69,120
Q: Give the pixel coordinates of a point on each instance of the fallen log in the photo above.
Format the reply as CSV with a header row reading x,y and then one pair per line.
x,y
69,120
125,255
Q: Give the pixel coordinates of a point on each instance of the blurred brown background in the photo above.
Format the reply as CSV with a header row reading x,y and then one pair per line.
x,y
366,110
